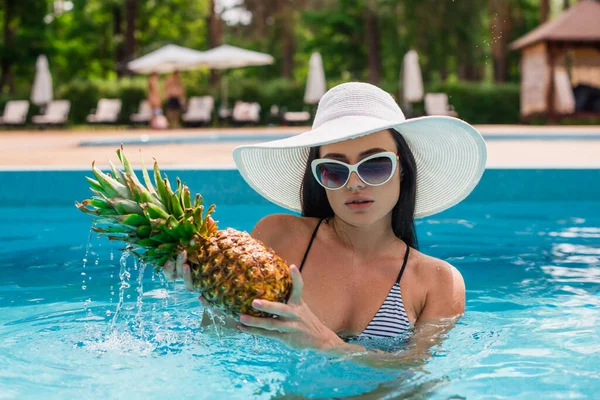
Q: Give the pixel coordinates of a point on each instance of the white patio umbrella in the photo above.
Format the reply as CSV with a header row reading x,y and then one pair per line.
x,y
412,80
226,57
165,60
41,93
315,82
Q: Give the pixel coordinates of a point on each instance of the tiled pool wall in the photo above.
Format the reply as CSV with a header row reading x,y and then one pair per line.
x,y
56,188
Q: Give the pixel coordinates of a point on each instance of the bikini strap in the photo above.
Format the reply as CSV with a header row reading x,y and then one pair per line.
x,y
404,264
312,238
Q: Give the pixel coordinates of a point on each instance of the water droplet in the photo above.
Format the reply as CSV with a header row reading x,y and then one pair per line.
x,y
108,313
83,274
83,287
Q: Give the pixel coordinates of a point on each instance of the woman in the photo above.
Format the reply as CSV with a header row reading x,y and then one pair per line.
x,y
359,178
155,101
175,98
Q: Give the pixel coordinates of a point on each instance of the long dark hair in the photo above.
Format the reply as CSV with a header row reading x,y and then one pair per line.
x,y
315,203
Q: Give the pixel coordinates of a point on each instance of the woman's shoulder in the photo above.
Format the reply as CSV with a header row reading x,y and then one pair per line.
x,y
445,287
434,270
277,228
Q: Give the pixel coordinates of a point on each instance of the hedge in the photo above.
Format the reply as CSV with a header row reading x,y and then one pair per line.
x,y
479,103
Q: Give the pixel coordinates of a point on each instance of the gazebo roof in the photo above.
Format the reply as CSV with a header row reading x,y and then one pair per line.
x,y
580,23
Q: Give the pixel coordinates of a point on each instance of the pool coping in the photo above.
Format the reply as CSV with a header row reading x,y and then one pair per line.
x,y
509,147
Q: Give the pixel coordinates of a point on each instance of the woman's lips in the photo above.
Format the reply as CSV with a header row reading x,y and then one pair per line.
x,y
359,206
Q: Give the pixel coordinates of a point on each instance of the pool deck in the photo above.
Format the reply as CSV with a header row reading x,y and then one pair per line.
x,y
509,146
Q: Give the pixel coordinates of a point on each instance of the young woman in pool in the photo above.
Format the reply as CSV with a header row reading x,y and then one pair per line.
x,y
358,179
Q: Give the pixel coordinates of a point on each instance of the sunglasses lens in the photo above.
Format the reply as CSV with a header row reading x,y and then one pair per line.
x,y
376,170
332,175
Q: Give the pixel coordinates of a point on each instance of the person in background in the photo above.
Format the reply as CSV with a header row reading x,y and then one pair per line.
x,y
175,98
157,120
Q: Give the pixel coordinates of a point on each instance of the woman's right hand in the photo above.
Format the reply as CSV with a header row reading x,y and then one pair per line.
x,y
174,270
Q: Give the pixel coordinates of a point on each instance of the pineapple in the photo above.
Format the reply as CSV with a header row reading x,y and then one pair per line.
x,y
229,267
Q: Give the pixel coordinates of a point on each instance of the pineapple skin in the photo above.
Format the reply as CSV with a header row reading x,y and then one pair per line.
x,y
231,269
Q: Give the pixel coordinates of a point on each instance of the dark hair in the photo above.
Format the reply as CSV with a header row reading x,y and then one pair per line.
x,y
315,203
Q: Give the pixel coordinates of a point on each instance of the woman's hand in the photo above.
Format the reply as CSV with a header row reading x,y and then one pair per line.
x,y
296,325
179,269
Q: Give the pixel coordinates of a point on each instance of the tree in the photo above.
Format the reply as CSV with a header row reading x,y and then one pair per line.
x,y
544,10
500,21
131,18
287,23
215,36
8,33
372,39
24,37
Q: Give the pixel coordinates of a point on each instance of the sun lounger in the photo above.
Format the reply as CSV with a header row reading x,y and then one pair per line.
x,y
295,118
107,112
245,113
199,110
56,113
437,104
15,113
144,114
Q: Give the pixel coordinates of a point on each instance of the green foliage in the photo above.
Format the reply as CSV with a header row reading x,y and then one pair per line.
x,y
452,38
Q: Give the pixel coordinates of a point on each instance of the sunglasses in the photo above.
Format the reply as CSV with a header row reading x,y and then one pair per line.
x,y
374,170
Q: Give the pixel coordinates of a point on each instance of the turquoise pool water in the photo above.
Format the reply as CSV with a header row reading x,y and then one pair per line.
x,y
78,320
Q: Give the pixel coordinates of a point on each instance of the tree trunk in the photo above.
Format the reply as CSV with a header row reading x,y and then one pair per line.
x,y
131,18
7,77
500,23
544,10
566,4
373,44
215,37
287,28
118,40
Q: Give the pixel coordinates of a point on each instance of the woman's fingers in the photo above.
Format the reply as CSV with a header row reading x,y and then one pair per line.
x,y
259,332
181,259
187,278
273,307
169,270
268,324
297,286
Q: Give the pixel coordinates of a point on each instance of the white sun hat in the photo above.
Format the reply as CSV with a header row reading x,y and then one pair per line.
x,y
449,153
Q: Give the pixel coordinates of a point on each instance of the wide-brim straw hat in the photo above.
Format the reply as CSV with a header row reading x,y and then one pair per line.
x,y
449,153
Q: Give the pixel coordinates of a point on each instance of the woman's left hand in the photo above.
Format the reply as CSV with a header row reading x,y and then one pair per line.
x,y
296,325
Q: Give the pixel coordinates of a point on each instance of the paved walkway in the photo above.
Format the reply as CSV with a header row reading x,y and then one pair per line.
x,y
509,146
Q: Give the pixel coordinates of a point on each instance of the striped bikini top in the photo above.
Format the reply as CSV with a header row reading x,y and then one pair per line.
x,y
391,318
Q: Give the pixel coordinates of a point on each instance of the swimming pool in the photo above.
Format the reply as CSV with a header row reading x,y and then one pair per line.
x,y
74,322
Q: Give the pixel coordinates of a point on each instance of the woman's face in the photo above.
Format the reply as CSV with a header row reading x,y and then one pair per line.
x,y
380,199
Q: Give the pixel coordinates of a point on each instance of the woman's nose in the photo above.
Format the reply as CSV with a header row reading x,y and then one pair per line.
x,y
354,182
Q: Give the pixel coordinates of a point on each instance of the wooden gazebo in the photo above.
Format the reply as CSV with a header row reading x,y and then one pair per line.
x,y
558,55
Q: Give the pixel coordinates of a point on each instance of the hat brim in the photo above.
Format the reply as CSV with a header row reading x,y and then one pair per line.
x,y
449,153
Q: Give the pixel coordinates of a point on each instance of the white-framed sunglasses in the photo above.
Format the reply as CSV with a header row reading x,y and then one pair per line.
x,y
374,170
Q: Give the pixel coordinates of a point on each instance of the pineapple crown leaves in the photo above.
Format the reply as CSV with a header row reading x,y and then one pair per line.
x,y
150,217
